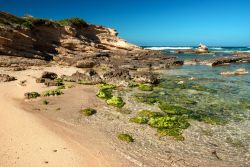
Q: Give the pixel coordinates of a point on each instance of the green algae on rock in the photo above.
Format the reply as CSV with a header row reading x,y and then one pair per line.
x,y
139,120
125,137
145,87
116,101
88,111
173,109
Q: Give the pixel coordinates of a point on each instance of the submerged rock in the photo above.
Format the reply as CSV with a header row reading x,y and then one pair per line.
x,y
240,71
221,61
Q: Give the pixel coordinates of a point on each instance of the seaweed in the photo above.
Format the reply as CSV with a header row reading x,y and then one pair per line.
x,y
116,101
32,95
145,87
172,109
55,92
125,137
88,111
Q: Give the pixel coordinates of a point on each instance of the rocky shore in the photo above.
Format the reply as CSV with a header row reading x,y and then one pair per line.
x,y
108,101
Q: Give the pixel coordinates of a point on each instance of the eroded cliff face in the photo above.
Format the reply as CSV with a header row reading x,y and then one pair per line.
x,y
46,40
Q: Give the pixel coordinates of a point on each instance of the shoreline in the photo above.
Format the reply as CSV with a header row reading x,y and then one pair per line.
x,y
73,132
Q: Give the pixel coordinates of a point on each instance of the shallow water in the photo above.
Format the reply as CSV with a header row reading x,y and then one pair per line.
x,y
225,97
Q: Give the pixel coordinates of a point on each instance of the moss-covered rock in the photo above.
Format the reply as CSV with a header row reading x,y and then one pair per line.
x,y
125,137
104,93
116,101
173,109
139,120
148,114
168,122
88,111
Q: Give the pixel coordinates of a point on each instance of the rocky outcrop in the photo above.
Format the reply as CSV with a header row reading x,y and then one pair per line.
x,y
49,79
6,78
221,61
88,77
245,56
202,49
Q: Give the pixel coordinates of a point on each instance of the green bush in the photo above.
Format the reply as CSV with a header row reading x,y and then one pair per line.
x,y
73,22
125,137
32,95
88,111
116,101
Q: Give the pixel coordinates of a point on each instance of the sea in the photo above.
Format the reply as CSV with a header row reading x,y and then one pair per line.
x,y
228,98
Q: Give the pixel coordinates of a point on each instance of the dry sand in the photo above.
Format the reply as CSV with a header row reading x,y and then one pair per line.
x,y
29,140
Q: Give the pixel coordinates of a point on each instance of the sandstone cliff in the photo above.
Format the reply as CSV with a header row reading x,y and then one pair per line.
x,y
43,39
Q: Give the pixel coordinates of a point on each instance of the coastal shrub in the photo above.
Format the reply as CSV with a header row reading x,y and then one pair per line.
x,y
172,109
88,111
116,101
13,21
45,102
125,137
145,87
73,22
139,120
32,95
55,92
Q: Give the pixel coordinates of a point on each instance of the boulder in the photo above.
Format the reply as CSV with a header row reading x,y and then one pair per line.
x,y
202,49
6,78
49,75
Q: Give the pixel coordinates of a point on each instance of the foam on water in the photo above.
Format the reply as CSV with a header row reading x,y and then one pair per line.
x,y
167,48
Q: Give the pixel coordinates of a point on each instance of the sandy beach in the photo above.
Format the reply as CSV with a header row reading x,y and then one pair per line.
x,y
32,140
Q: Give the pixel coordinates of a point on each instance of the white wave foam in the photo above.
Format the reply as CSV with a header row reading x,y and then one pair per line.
x,y
216,48
167,48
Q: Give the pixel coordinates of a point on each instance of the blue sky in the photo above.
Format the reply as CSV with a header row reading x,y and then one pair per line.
x,y
153,22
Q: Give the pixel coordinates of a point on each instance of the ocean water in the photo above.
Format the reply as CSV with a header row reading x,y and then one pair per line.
x,y
225,97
